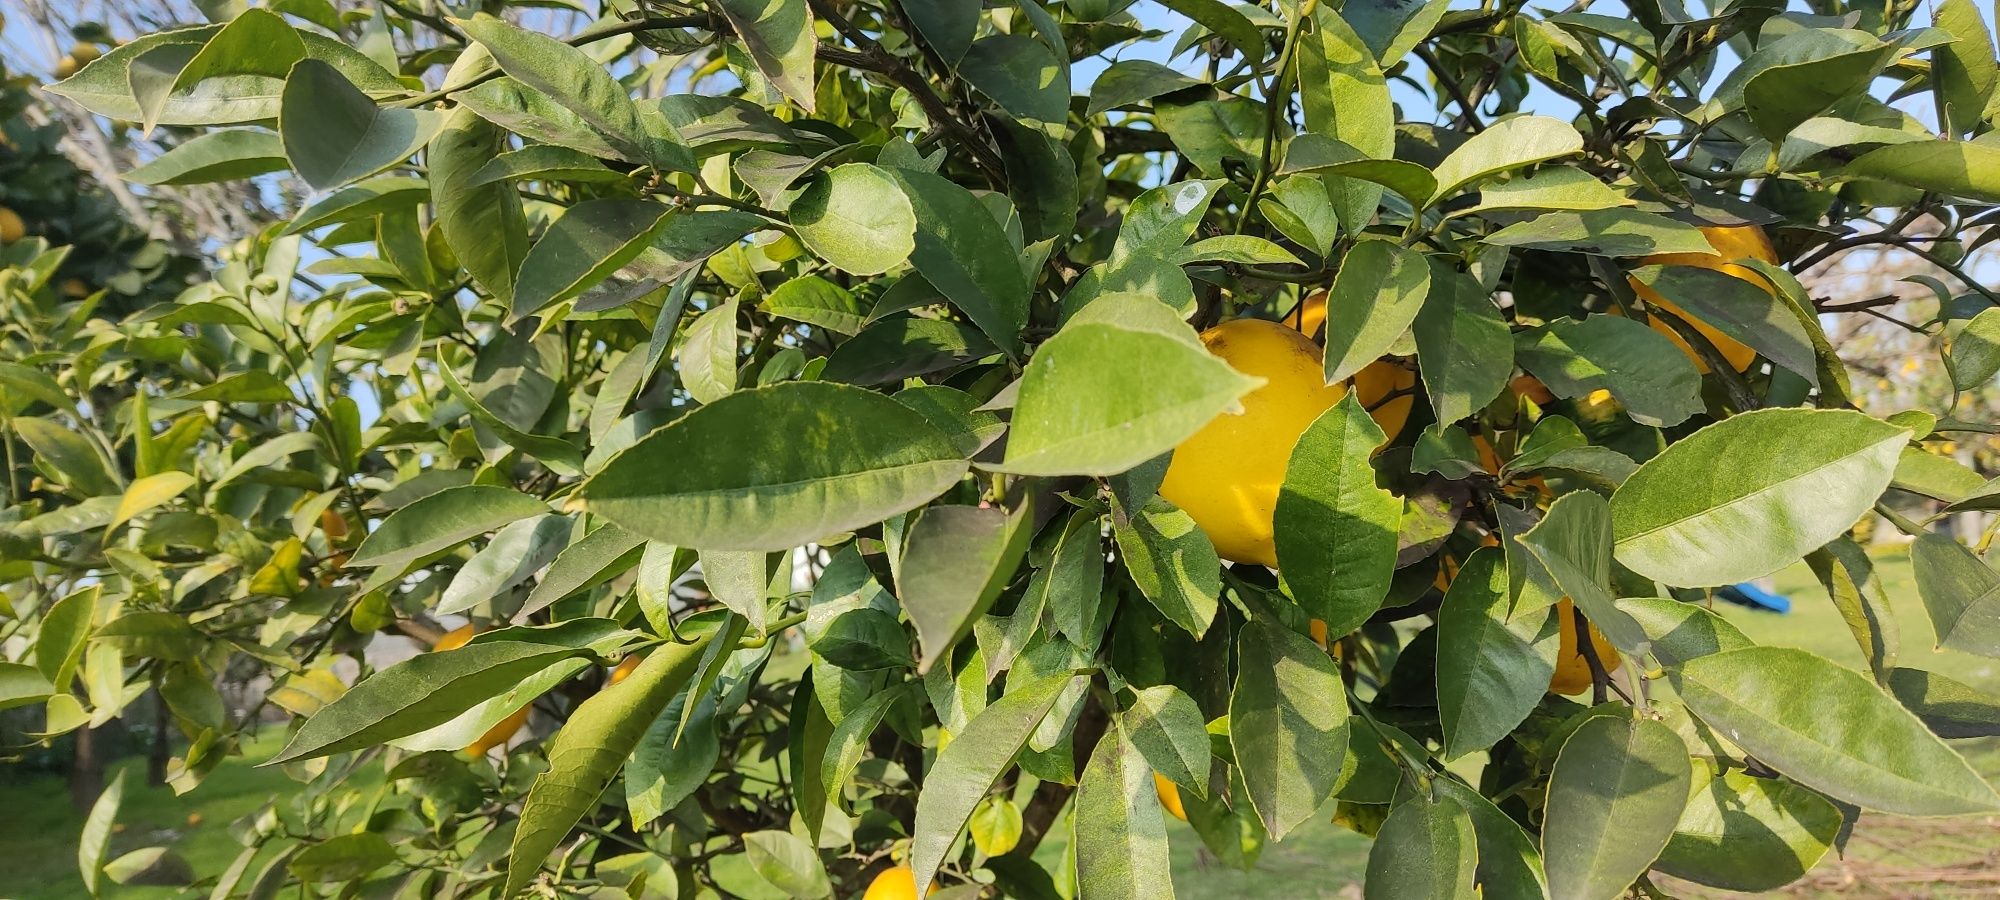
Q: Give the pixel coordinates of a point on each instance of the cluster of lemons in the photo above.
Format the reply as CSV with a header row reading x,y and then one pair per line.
x,y
1227,476
80,55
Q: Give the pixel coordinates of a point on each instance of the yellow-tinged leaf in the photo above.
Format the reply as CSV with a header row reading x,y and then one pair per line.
x,y
148,493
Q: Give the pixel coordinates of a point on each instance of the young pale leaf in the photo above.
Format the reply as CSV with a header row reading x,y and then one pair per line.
x,y
94,845
1375,297
1641,367
441,521
589,751
1961,593
956,560
708,355
1617,790
1120,830
857,218
334,134
1173,562
1336,527
1463,347
1829,728
828,458
787,862
817,302
1506,145
1491,671
1746,496
148,493
1742,833
592,240
1288,722
779,36
969,766
1425,848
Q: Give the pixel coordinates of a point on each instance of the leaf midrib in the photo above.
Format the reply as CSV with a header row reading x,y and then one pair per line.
x,y
1734,501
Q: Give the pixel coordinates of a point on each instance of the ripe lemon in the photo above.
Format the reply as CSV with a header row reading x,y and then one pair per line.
x,y
1572,675
499,733
85,53
1375,382
1227,475
11,227
625,668
1731,242
1532,388
1170,796
66,67
898,883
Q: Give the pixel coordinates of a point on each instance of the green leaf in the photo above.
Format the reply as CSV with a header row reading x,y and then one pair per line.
x,y
1425,848
1830,729
425,691
1464,350
1739,308
1020,74
857,218
93,845
1559,187
830,458
1808,82
592,240
1506,145
1491,670
23,384
898,347
1617,790
787,862
1166,727
996,826
946,25
252,386
963,252
1375,297
970,765
849,741
603,554
1681,631
561,456
779,36
1120,830
1161,220
1603,232
1642,368
1973,356
1509,866
580,85
589,751
358,201
1967,169
335,135
104,87
817,302
1115,389
1963,70
1336,527
1961,593
225,155
1948,708
601,636
153,634
1741,833
70,455
1071,585
1848,575
956,560
1130,81
707,356
258,42
441,521
1573,545
1345,96
1748,495
1172,561
148,493
1227,23
1288,722
23,685
345,857
482,222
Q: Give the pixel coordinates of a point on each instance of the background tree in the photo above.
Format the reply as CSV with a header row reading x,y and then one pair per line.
x,y
1296,426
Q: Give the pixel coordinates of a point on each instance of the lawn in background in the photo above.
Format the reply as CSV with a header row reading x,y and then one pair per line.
x,y
1320,860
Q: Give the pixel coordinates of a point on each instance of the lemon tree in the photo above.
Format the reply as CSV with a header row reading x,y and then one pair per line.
x,y
875,447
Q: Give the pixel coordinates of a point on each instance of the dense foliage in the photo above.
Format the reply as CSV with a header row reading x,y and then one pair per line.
x,y
821,365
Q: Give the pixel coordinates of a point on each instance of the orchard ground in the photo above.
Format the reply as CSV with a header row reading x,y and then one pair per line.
x,y
1887,857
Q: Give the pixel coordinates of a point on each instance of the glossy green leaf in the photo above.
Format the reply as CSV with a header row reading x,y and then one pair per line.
x,y
1617,790
779,36
1130,81
833,458
1375,297
104,87
956,560
856,217
1120,830
1964,70
1173,562
1506,145
483,223
1336,527
1463,347
817,302
1425,848
441,521
1641,367
1829,728
1742,833
1746,496
592,240
1288,724
1166,727
963,252
579,84
1491,670
1510,868
225,155
1968,169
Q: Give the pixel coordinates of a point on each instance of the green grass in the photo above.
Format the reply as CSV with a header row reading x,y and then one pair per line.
x,y
40,830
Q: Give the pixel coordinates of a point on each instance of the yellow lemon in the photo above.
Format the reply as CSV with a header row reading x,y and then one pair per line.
x,y
1731,243
1170,796
66,67
1572,675
1376,381
898,883
1227,475
500,732
625,668
11,227
85,53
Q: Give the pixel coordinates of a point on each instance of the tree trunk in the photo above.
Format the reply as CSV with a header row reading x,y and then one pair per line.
x,y
86,771
156,756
